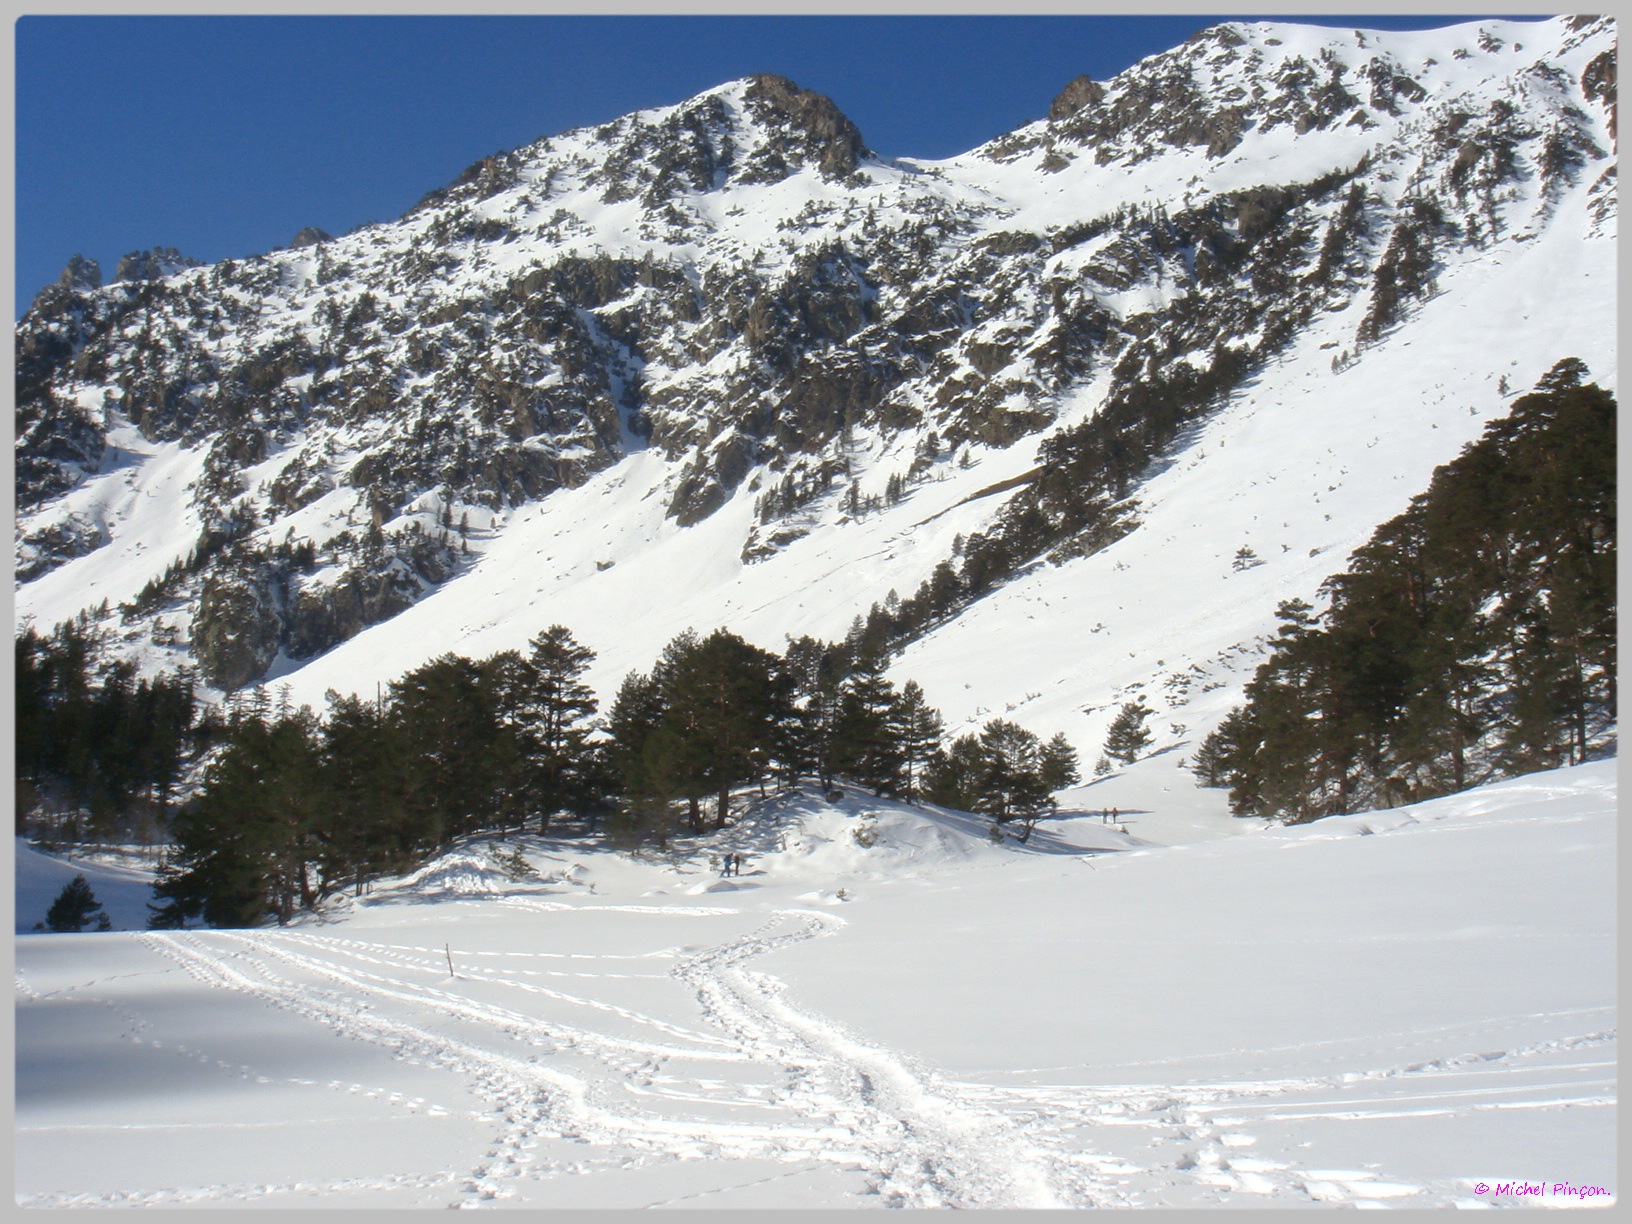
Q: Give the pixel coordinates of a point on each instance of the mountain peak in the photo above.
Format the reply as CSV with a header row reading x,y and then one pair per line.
x,y
819,130
1080,92
155,264
758,129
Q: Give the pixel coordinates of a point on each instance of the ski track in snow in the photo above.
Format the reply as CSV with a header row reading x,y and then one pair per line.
x,y
919,1140
792,1086
595,1054
830,1097
923,1142
1212,1122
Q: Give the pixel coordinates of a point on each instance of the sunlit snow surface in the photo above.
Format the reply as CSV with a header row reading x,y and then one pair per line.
x,y
1387,1009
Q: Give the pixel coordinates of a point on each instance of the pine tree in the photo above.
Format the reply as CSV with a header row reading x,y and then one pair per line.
x,y
633,758
1011,787
1005,773
448,710
953,777
1128,736
363,767
74,907
1472,635
916,727
865,746
722,706
558,707
811,672
1057,764
247,847
506,763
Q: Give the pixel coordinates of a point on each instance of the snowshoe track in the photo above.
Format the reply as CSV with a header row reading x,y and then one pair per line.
x,y
822,1095
738,1070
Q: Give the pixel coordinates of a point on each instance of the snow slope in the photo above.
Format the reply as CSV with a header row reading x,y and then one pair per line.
x,y
1388,1009
1300,468
122,883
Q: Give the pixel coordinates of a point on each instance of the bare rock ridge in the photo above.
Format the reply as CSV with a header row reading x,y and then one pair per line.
x,y
155,264
1081,92
81,274
820,131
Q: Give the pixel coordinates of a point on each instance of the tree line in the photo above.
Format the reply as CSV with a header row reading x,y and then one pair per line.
x,y
293,808
1472,637
1078,500
100,750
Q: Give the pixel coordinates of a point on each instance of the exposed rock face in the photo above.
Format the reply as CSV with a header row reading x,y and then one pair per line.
x,y
1598,84
54,543
814,130
237,628
765,292
310,236
81,274
155,264
320,617
58,445
1081,92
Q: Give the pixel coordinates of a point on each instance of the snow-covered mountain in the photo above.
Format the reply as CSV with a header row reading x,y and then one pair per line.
x,y
717,364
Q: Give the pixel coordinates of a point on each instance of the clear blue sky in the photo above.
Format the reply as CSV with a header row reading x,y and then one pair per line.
x,y
223,136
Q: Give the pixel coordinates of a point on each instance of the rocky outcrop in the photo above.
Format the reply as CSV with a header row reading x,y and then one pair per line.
x,y
1081,92
55,543
58,443
155,264
1598,84
321,616
238,626
811,130
81,274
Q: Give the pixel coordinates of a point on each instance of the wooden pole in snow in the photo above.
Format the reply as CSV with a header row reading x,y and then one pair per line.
x,y
450,961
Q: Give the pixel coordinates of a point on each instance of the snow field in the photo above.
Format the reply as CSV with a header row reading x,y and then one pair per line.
x,y
1381,1009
